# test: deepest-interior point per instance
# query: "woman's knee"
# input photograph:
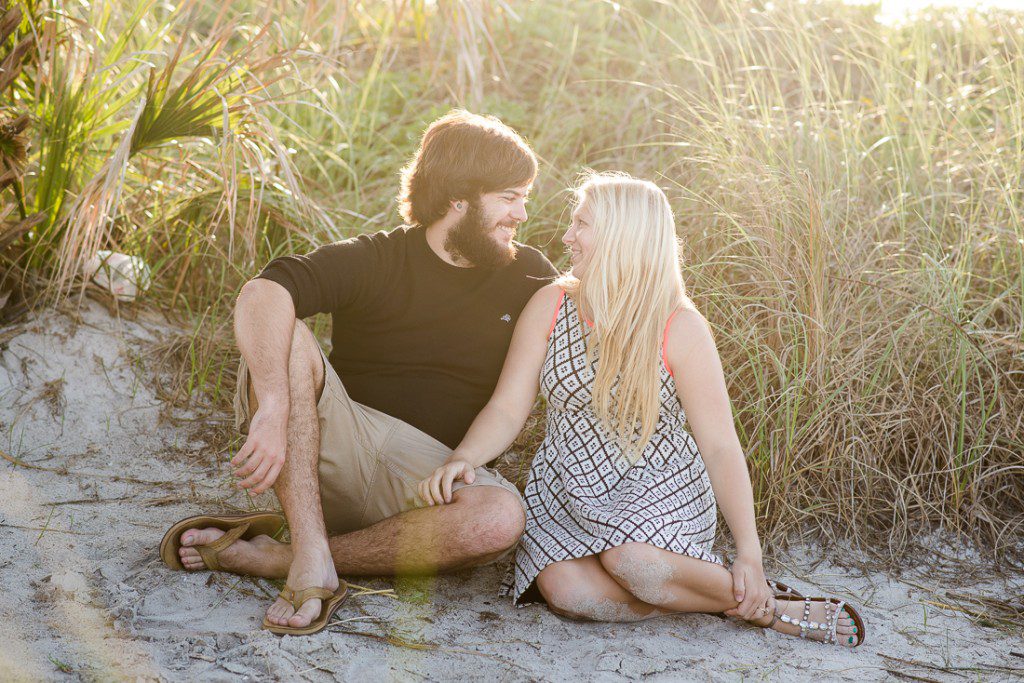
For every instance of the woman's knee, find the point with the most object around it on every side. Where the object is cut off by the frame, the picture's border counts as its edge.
(642, 570)
(561, 587)
(570, 591)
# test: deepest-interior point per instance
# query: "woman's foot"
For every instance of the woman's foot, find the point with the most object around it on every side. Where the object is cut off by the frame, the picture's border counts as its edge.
(814, 618)
(259, 556)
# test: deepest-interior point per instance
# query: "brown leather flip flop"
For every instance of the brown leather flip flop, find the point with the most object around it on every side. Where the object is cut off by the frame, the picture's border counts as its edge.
(243, 526)
(331, 602)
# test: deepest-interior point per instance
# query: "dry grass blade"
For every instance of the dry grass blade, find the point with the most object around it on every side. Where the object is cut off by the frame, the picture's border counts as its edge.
(1005, 613)
(10, 232)
(10, 67)
(21, 463)
(910, 677)
(9, 22)
(958, 671)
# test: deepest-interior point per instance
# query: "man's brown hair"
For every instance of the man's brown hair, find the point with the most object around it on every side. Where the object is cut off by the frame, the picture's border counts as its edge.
(462, 156)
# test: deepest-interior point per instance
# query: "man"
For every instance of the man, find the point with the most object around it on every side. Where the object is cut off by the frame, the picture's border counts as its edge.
(422, 318)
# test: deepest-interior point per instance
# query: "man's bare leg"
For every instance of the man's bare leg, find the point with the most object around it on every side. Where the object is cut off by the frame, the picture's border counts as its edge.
(298, 484)
(479, 525)
(298, 489)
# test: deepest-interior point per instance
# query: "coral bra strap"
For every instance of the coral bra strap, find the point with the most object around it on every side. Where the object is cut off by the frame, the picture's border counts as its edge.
(554, 318)
(664, 342)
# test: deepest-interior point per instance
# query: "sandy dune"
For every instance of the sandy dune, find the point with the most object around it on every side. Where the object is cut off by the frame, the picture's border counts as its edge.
(106, 466)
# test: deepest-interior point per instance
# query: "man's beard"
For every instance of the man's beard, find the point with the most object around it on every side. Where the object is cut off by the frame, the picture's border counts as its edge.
(474, 241)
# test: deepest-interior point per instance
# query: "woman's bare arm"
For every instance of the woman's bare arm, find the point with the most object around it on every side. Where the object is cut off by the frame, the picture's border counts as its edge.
(501, 420)
(700, 384)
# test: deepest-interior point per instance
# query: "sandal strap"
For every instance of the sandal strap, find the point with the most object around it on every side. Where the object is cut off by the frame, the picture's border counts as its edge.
(780, 588)
(296, 598)
(828, 625)
(210, 551)
(834, 622)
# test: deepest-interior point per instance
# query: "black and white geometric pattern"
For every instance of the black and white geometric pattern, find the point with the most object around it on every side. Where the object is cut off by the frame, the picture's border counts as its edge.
(583, 497)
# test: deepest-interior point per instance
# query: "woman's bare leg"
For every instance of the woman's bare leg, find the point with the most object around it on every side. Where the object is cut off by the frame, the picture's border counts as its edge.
(582, 589)
(678, 583)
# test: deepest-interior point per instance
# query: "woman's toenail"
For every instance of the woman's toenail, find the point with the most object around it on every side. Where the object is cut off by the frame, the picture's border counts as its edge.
(851, 640)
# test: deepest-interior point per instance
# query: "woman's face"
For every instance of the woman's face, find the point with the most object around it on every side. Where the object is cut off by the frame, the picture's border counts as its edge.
(579, 238)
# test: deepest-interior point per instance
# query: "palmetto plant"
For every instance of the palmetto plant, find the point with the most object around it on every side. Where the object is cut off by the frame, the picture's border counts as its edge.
(15, 220)
(123, 101)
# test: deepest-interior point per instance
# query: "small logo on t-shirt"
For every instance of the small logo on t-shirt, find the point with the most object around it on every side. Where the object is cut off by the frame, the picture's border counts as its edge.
(507, 318)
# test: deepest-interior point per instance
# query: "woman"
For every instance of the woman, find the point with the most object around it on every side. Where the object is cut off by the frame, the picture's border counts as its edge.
(621, 499)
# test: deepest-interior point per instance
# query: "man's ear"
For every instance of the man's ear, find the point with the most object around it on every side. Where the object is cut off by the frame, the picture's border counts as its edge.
(459, 205)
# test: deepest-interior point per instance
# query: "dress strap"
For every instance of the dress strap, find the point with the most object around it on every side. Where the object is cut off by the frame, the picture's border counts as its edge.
(554, 318)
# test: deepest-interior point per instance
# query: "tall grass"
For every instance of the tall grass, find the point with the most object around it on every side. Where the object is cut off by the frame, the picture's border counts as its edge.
(848, 196)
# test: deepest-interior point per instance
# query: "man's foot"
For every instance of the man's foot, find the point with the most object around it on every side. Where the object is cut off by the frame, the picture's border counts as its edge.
(259, 556)
(308, 569)
(817, 616)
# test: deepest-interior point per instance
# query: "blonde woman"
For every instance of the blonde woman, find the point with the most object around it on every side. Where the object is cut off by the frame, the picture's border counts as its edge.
(621, 500)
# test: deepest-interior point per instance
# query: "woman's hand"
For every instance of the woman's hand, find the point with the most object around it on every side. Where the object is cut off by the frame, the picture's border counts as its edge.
(750, 590)
(437, 488)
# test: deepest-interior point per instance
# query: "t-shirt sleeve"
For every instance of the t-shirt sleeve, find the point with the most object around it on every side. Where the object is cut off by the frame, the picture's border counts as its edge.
(331, 278)
(540, 267)
(547, 269)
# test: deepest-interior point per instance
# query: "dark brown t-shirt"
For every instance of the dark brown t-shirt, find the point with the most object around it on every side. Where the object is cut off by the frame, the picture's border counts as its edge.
(413, 336)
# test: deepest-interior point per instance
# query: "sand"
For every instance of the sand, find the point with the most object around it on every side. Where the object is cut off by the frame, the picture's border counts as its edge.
(108, 465)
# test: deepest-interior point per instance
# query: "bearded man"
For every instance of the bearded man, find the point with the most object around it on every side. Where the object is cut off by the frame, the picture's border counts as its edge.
(422, 318)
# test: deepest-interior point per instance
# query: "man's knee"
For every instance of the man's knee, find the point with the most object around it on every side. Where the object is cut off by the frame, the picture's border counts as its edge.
(495, 518)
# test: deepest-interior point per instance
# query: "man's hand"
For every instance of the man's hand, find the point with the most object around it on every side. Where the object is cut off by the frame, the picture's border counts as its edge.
(750, 590)
(261, 457)
(437, 488)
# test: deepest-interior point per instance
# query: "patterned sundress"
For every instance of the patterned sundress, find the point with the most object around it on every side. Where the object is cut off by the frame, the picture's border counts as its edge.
(583, 497)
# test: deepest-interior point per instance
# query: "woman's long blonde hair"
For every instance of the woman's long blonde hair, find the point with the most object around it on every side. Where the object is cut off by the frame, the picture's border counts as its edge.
(631, 286)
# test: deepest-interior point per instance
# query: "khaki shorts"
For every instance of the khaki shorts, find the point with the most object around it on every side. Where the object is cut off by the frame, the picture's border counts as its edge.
(370, 463)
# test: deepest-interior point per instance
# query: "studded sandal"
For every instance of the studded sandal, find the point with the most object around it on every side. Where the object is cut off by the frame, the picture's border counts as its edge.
(780, 588)
(833, 608)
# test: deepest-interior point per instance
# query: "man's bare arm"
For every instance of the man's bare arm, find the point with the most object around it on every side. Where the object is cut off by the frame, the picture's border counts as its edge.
(264, 325)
